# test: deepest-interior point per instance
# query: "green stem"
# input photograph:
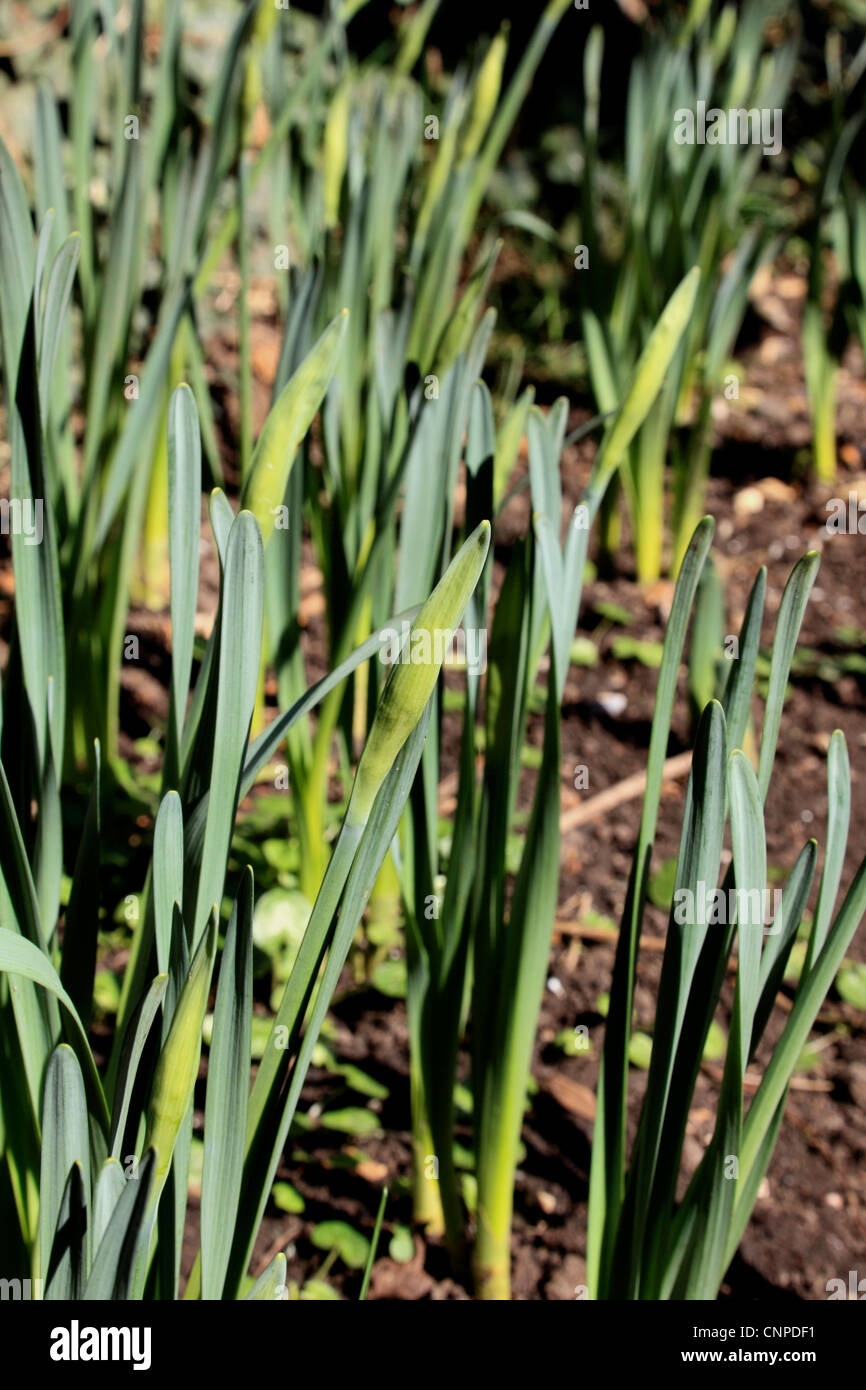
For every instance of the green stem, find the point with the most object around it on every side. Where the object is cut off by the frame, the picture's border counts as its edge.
(824, 421)
(426, 1198)
(491, 1262)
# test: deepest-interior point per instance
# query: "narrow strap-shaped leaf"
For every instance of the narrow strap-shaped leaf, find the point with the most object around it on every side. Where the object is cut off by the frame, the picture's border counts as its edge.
(614, 1070)
(838, 816)
(426, 473)
(791, 610)
(287, 424)
(270, 1285)
(221, 520)
(707, 637)
(140, 414)
(66, 1271)
(374, 1244)
(521, 972)
(123, 1247)
(37, 1019)
(177, 1068)
(738, 688)
(167, 873)
(48, 163)
(645, 383)
(109, 1186)
(133, 1046)
(780, 938)
(749, 848)
(16, 266)
(270, 1113)
(506, 111)
(702, 1276)
(20, 957)
(750, 1182)
(547, 537)
(57, 295)
(697, 868)
(80, 932)
(48, 847)
(65, 1142)
(184, 493)
(796, 1031)
(225, 1113)
(38, 603)
(240, 652)
(115, 304)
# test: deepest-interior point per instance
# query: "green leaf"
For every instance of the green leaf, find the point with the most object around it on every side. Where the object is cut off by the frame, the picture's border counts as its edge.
(57, 295)
(352, 1120)
(67, 1264)
(661, 885)
(716, 1043)
(359, 1081)
(177, 1068)
(287, 425)
(411, 682)
(647, 378)
(117, 1264)
(271, 1110)
(65, 1142)
(352, 1247)
(851, 983)
(239, 656)
(287, 1198)
(226, 1100)
(608, 1161)
(133, 1045)
(640, 1050)
(21, 957)
(748, 843)
(271, 1285)
(839, 815)
(184, 514)
(791, 610)
(109, 1186)
(82, 913)
(318, 1291)
(625, 648)
(167, 874)
(389, 977)
(279, 922)
(813, 990)
(401, 1246)
(16, 266)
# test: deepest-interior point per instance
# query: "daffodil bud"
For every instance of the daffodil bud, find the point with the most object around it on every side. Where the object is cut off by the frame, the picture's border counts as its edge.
(486, 95)
(177, 1067)
(411, 682)
(336, 145)
(287, 424)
